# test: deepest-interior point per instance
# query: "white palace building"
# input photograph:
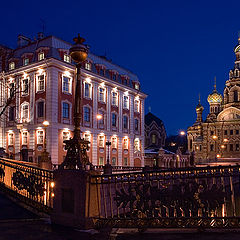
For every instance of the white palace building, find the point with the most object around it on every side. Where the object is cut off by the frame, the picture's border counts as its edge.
(37, 84)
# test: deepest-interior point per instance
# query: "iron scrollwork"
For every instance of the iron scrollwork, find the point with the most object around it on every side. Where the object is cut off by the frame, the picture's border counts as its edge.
(32, 184)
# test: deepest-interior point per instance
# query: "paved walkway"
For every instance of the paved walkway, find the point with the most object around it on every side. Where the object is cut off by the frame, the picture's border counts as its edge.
(17, 223)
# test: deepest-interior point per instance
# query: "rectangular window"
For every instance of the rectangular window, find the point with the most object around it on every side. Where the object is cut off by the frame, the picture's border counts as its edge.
(101, 120)
(101, 97)
(114, 161)
(88, 66)
(136, 106)
(12, 66)
(65, 110)
(114, 77)
(231, 132)
(10, 139)
(11, 113)
(125, 143)
(86, 114)
(101, 161)
(211, 133)
(66, 136)
(40, 109)
(25, 61)
(125, 122)
(25, 111)
(136, 144)
(231, 147)
(24, 138)
(237, 147)
(40, 56)
(237, 132)
(211, 147)
(125, 162)
(136, 123)
(114, 142)
(136, 86)
(125, 102)
(66, 58)
(114, 98)
(87, 137)
(40, 83)
(114, 120)
(87, 90)
(101, 141)
(225, 132)
(24, 87)
(66, 84)
(40, 137)
(101, 72)
(11, 90)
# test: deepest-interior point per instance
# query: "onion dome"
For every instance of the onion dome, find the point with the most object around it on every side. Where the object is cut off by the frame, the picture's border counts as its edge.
(199, 107)
(215, 97)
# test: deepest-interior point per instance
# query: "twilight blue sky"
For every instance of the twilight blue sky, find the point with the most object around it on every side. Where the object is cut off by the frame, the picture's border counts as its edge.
(175, 47)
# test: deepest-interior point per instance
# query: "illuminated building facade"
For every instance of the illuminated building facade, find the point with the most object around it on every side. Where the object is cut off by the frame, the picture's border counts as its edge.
(38, 77)
(217, 139)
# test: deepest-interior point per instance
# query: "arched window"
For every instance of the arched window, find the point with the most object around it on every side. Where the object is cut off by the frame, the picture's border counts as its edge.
(235, 95)
(154, 139)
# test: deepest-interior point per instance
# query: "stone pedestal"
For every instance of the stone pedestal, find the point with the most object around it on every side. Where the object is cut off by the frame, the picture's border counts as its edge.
(76, 200)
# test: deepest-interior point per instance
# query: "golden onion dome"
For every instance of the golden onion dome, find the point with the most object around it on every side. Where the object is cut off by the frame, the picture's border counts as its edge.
(215, 97)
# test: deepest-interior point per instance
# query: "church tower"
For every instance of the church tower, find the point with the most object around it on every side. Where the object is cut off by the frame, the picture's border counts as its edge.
(232, 89)
(215, 100)
(199, 111)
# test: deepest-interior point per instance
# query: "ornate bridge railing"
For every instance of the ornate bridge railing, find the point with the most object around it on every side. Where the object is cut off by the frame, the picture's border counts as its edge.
(28, 183)
(197, 197)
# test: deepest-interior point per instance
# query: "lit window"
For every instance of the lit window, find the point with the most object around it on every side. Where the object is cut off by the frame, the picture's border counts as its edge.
(25, 61)
(40, 109)
(101, 161)
(136, 86)
(25, 111)
(101, 94)
(65, 110)
(87, 90)
(88, 66)
(136, 106)
(125, 143)
(11, 65)
(125, 102)
(11, 113)
(125, 162)
(40, 56)
(66, 84)
(125, 122)
(114, 161)
(66, 58)
(101, 141)
(136, 124)
(25, 87)
(40, 137)
(136, 144)
(24, 138)
(66, 136)
(11, 90)
(86, 114)
(87, 137)
(101, 121)
(10, 139)
(40, 83)
(153, 138)
(114, 119)
(114, 98)
(114, 142)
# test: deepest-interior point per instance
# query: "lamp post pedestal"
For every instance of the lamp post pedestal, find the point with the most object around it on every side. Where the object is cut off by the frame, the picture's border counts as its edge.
(107, 169)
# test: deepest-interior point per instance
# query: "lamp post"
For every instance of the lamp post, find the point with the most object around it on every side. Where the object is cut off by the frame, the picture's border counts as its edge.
(108, 167)
(45, 161)
(77, 147)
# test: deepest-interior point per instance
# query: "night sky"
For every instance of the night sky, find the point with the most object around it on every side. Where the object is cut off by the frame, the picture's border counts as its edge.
(175, 47)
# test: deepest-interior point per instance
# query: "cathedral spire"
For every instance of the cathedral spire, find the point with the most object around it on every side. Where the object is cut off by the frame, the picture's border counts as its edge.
(215, 84)
(199, 110)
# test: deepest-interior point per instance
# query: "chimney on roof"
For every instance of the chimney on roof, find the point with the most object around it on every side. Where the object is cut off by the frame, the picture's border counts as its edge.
(23, 41)
(40, 35)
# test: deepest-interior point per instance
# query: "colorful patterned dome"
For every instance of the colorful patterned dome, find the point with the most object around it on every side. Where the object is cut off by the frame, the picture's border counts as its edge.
(215, 97)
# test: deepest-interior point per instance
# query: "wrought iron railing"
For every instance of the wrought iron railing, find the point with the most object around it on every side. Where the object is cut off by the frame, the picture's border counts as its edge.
(28, 183)
(195, 197)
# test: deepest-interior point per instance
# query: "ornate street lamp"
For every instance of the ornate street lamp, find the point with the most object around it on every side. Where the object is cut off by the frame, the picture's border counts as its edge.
(107, 167)
(77, 147)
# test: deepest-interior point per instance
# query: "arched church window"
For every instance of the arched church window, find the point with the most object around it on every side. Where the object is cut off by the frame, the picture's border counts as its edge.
(235, 95)
(154, 139)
